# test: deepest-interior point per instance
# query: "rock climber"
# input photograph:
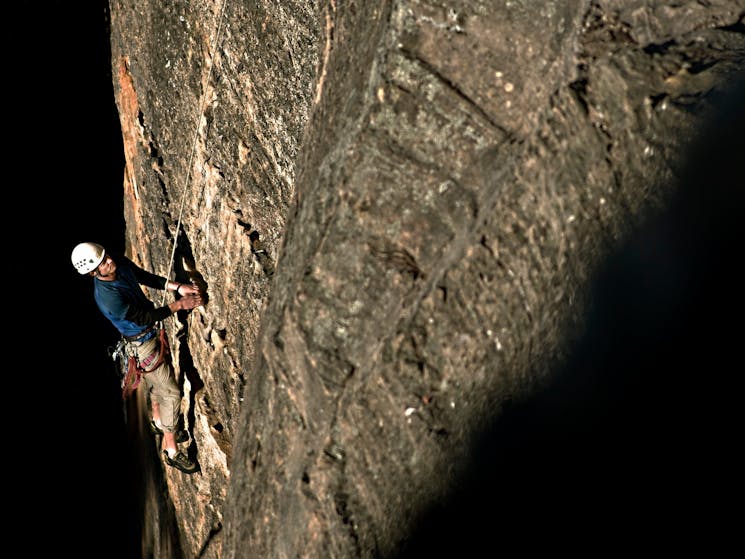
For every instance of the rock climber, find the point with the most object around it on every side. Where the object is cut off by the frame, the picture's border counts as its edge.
(119, 296)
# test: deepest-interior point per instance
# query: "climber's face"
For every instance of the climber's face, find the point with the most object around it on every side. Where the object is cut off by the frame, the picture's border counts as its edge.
(106, 269)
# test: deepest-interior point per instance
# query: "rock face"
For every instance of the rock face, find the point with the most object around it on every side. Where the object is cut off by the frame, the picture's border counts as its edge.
(396, 209)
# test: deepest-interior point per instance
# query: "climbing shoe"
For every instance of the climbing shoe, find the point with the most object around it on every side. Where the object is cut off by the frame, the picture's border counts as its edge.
(181, 461)
(181, 436)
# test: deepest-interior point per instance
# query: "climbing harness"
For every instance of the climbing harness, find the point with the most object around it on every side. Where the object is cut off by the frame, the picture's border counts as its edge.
(132, 367)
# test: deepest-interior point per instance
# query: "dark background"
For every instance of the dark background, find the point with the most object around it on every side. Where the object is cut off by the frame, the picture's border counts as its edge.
(76, 485)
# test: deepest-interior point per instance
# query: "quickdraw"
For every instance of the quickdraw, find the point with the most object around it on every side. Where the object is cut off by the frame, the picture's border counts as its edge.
(135, 368)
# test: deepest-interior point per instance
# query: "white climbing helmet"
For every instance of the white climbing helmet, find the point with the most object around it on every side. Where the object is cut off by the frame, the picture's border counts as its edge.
(87, 256)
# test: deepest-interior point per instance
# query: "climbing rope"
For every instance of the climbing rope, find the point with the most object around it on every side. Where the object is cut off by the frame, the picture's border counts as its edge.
(200, 112)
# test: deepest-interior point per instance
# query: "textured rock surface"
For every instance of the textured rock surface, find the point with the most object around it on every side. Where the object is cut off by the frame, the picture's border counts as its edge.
(395, 209)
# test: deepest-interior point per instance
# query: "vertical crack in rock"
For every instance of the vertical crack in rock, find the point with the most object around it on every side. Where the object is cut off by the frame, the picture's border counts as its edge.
(258, 249)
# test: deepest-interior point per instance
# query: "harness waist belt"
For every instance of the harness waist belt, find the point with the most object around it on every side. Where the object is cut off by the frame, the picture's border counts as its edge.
(140, 335)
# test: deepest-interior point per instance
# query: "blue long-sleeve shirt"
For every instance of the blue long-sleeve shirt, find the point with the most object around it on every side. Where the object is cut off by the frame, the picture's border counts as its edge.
(123, 302)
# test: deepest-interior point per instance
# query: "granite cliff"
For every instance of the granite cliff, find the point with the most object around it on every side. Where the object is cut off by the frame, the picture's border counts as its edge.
(396, 210)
